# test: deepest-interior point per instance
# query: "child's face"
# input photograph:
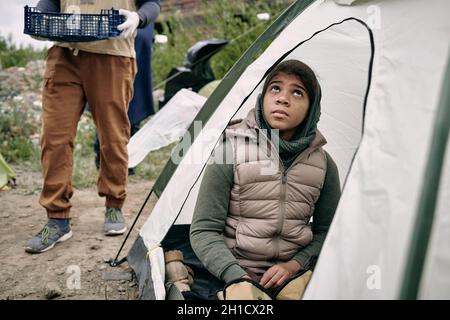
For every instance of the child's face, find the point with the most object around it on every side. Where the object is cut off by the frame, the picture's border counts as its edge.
(286, 104)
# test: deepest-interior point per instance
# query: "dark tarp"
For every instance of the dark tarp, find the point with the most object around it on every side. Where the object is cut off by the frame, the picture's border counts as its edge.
(141, 106)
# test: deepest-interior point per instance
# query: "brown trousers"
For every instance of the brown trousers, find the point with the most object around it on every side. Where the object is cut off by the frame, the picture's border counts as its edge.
(106, 83)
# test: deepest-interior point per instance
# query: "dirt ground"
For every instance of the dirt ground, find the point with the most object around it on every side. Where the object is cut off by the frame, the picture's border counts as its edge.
(74, 269)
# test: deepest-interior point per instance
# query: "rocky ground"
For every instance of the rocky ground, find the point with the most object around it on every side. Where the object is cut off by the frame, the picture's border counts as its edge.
(74, 269)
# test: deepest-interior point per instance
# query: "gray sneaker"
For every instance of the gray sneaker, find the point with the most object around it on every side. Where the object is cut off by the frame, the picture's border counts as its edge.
(46, 239)
(114, 222)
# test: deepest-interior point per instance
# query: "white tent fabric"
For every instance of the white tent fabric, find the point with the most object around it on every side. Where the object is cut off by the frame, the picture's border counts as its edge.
(371, 230)
(168, 125)
(6, 173)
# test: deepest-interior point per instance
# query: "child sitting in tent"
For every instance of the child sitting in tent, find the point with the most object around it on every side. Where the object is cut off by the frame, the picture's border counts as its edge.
(251, 225)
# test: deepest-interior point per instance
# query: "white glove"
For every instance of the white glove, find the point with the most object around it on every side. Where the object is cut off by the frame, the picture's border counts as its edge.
(130, 25)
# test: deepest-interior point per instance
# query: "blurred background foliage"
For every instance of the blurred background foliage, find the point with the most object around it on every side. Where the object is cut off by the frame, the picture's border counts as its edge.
(21, 70)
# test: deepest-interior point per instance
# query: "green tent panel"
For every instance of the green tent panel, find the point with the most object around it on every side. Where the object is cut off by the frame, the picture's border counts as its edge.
(6, 173)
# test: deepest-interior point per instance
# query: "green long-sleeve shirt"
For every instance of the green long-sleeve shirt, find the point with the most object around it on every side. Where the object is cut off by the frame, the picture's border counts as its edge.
(211, 210)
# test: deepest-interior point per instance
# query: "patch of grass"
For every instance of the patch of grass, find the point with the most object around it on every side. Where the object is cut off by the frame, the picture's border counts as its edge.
(84, 171)
(16, 128)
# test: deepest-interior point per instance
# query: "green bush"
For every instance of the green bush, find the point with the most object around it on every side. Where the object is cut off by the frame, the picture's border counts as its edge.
(16, 128)
(13, 56)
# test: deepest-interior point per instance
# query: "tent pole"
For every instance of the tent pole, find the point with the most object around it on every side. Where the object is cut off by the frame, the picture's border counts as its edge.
(114, 262)
(428, 198)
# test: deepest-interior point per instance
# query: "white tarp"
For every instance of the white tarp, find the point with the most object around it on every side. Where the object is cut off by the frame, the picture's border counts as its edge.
(168, 125)
(342, 105)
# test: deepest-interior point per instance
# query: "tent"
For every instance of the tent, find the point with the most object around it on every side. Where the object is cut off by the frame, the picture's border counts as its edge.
(384, 71)
(6, 173)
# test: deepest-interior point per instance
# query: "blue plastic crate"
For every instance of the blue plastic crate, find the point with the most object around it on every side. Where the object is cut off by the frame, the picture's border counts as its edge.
(69, 27)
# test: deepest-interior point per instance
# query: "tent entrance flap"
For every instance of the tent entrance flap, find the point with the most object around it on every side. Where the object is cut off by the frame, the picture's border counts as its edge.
(343, 102)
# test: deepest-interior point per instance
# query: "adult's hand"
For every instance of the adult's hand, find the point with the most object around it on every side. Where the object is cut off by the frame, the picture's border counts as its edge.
(130, 25)
(276, 275)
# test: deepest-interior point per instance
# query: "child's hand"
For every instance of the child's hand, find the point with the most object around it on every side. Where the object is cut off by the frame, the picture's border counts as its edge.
(276, 275)
(130, 25)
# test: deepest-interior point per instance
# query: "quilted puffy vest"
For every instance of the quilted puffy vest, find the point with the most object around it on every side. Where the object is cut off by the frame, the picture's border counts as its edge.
(270, 207)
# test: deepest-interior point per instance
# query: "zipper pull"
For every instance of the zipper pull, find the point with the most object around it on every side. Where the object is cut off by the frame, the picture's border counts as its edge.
(284, 177)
